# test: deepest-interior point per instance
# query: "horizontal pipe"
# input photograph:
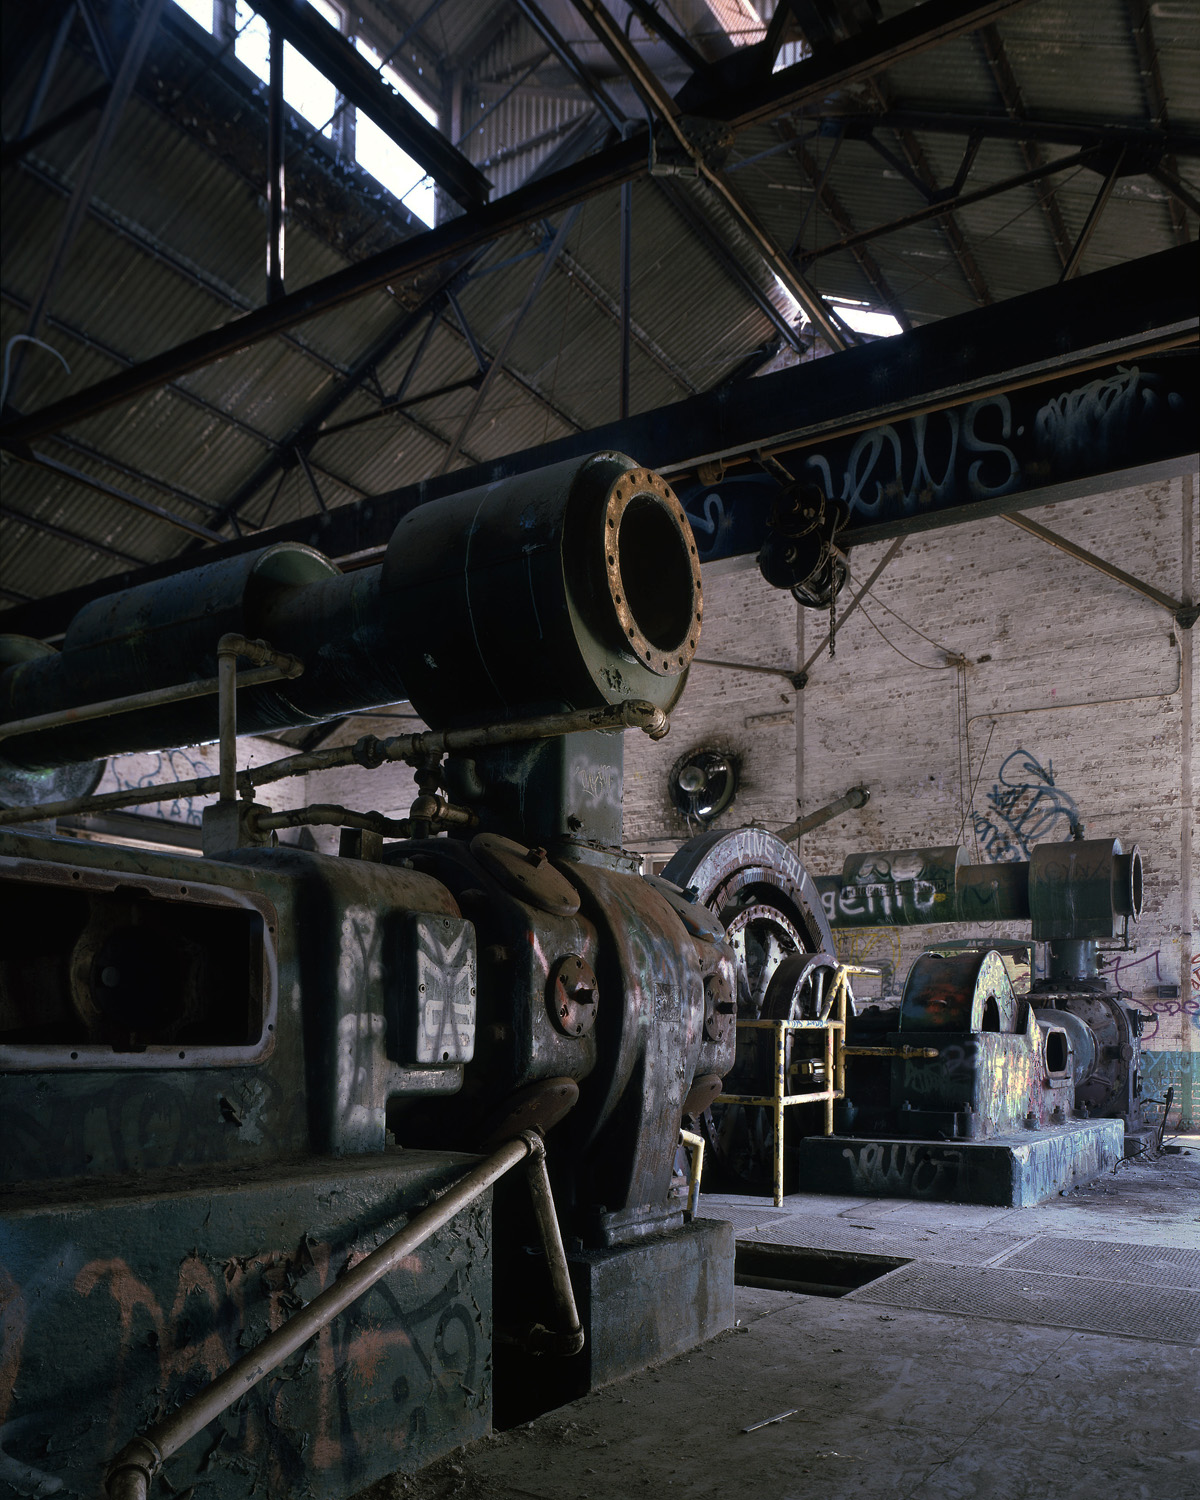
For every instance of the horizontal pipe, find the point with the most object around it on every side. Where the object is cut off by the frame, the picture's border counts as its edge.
(857, 796)
(153, 699)
(368, 752)
(769, 1101)
(438, 814)
(904, 1052)
(758, 1024)
(134, 1467)
(329, 814)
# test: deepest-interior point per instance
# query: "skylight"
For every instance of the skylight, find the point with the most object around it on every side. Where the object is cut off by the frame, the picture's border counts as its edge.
(201, 11)
(387, 163)
(305, 88)
(864, 319)
(856, 315)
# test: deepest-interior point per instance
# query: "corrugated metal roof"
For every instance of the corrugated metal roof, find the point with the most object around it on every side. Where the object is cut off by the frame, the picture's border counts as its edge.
(174, 244)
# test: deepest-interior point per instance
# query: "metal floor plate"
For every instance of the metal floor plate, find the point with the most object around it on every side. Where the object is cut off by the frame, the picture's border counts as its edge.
(915, 1243)
(1141, 1310)
(1151, 1265)
(742, 1219)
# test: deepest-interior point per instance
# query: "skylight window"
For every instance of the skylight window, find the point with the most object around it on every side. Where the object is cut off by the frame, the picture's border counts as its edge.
(387, 163)
(789, 54)
(856, 315)
(201, 11)
(305, 88)
(864, 319)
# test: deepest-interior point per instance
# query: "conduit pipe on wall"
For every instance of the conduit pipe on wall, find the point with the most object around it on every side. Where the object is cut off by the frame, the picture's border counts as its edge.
(1042, 708)
(131, 1472)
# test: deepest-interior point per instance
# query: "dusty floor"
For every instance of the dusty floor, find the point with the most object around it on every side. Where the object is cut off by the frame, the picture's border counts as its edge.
(1047, 1352)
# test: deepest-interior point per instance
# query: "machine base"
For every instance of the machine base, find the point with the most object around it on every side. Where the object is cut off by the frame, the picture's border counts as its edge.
(124, 1302)
(639, 1304)
(1010, 1171)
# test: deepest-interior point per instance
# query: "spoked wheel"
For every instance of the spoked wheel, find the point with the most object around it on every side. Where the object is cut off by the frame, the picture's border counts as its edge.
(758, 889)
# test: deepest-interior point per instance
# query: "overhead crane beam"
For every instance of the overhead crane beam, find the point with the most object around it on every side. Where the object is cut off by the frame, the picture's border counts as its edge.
(1062, 333)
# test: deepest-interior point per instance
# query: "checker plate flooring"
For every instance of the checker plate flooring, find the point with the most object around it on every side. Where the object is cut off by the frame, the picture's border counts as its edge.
(1156, 1265)
(1143, 1309)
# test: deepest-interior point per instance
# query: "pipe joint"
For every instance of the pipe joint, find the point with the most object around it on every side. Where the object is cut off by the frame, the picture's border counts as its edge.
(130, 1474)
(639, 714)
(542, 1340)
(260, 653)
(535, 1144)
(369, 752)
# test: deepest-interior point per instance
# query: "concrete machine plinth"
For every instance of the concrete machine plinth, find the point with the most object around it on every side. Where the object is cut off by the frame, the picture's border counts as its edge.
(125, 1302)
(639, 1304)
(1009, 1171)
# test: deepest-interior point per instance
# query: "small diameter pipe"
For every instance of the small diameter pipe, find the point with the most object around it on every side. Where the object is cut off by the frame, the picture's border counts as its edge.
(890, 1052)
(334, 816)
(567, 1339)
(130, 1473)
(436, 811)
(229, 648)
(696, 1142)
(368, 752)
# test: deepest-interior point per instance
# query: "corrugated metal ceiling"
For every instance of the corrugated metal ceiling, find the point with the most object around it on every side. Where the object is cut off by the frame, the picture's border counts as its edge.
(173, 244)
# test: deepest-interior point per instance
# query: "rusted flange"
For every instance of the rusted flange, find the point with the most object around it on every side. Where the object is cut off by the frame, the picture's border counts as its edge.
(663, 657)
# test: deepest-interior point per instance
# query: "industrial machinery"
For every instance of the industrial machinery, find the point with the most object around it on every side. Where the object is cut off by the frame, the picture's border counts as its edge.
(968, 1090)
(224, 1080)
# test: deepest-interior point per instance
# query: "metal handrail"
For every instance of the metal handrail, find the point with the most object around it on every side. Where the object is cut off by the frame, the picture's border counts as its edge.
(834, 1027)
(131, 1471)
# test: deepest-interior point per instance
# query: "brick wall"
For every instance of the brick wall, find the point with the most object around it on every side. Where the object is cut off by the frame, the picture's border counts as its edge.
(1070, 693)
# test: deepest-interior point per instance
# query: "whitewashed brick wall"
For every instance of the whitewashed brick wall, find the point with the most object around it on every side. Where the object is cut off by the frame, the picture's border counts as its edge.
(1067, 672)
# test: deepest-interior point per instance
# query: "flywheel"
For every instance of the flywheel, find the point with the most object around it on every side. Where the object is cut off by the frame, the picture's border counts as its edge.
(757, 888)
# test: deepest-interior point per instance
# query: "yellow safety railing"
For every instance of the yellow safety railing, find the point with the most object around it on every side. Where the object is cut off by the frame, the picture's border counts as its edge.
(833, 1024)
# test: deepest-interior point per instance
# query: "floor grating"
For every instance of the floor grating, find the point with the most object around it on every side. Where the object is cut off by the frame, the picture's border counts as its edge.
(1144, 1309)
(1152, 1265)
(742, 1218)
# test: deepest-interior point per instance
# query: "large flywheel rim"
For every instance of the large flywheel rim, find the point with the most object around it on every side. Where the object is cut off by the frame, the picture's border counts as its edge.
(761, 893)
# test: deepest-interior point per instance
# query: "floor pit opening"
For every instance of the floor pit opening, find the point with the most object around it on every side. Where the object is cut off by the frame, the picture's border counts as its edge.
(817, 1273)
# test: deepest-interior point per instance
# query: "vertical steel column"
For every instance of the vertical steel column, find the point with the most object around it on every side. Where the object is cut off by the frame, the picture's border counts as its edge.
(227, 719)
(626, 290)
(780, 1091)
(275, 171)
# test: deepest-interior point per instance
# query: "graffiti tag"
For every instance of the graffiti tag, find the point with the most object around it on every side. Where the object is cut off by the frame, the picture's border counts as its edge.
(1024, 808)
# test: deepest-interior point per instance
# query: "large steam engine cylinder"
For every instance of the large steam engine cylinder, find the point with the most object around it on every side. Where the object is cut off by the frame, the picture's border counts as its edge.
(169, 1023)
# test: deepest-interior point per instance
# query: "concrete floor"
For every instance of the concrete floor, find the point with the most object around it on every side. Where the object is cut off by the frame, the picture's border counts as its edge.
(986, 1366)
